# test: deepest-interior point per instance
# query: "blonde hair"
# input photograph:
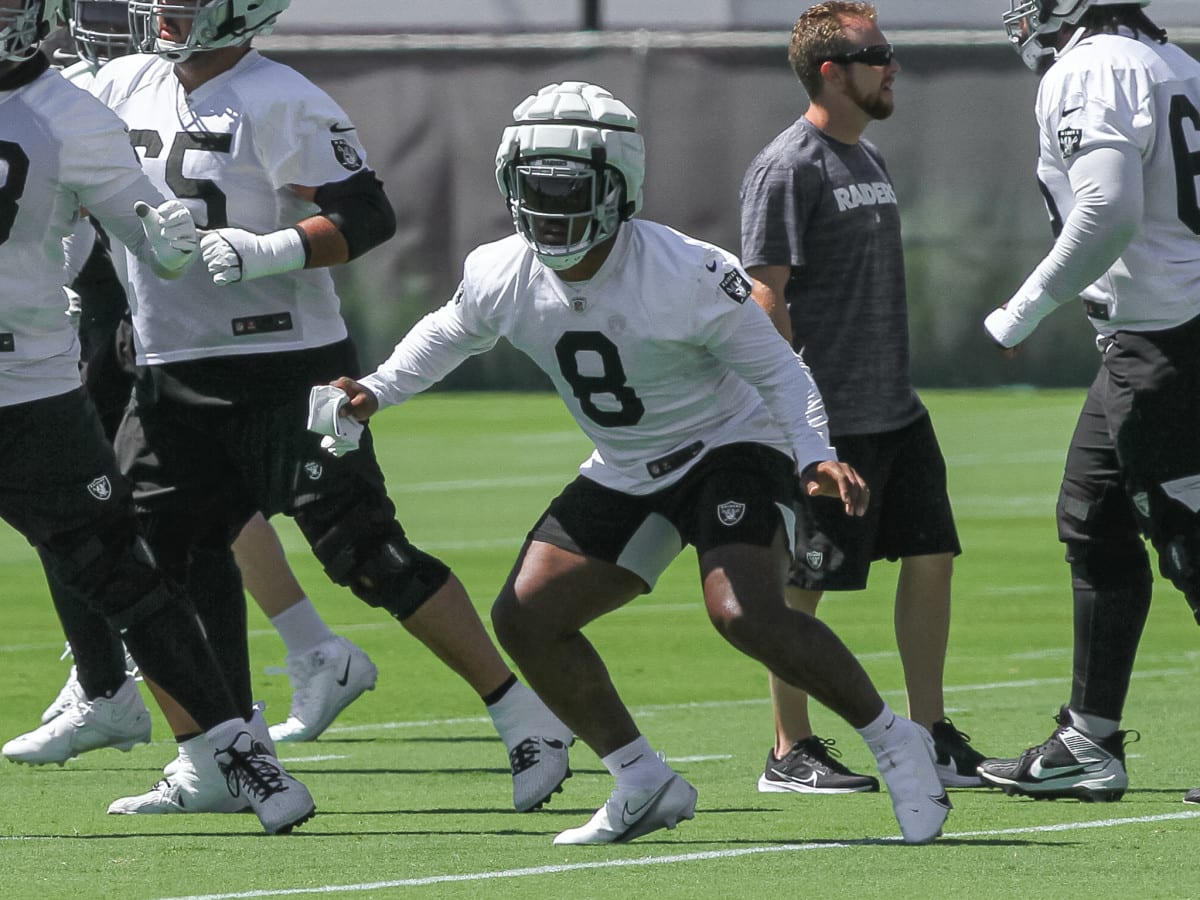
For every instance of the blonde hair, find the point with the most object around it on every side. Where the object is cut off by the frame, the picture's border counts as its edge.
(819, 34)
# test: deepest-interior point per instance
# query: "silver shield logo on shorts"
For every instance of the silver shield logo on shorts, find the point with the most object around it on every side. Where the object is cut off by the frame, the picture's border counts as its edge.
(314, 470)
(731, 513)
(100, 488)
(814, 558)
(1141, 502)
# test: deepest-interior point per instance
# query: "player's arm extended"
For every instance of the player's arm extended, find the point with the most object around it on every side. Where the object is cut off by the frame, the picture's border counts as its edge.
(354, 216)
(1107, 183)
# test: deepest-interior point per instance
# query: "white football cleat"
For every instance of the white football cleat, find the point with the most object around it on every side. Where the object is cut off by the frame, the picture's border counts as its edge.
(120, 722)
(280, 801)
(257, 727)
(193, 784)
(630, 814)
(71, 694)
(907, 761)
(325, 680)
(540, 765)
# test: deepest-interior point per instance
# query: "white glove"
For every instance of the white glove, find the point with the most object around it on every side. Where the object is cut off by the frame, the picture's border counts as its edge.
(171, 232)
(1010, 324)
(233, 254)
(342, 433)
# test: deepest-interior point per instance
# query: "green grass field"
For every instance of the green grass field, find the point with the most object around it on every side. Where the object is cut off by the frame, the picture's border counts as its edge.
(411, 784)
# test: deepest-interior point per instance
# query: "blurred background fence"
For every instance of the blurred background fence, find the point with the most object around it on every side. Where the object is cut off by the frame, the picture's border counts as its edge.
(711, 88)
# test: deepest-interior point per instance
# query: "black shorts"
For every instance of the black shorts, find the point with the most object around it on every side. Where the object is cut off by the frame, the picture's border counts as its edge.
(737, 494)
(208, 444)
(909, 513)
(61, 485)
(1134, 460)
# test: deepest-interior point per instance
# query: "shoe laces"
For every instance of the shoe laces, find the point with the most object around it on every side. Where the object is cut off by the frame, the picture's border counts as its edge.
(822, 751)
(527, 754)
(950, 733)
(250, 771)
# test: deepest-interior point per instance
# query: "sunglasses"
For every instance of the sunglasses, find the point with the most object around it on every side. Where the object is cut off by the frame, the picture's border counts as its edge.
(878, 55)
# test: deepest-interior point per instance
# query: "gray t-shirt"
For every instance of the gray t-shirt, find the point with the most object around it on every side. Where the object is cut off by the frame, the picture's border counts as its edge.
(828, 210)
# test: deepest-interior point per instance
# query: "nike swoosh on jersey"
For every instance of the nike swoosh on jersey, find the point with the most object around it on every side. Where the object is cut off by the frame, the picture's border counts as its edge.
(339, 129)
(711, 266)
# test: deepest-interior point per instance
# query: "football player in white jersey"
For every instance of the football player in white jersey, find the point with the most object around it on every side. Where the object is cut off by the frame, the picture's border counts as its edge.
(1118, 112)
(317, 657)
(700, 415)
(275, 174)
(60, 486)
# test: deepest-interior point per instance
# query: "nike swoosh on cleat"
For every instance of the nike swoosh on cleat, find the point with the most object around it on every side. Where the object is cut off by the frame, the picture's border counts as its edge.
(345, 675)
(1038, 772)
(626, 765)
(629, 817)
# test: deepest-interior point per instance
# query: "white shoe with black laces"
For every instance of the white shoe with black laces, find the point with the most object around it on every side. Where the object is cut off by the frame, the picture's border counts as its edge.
(630, 814)
(325, 680)
(280, 801)
(540, 765)
(120, 721)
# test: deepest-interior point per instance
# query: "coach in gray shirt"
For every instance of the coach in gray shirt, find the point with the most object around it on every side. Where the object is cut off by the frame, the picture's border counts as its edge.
(821, 239)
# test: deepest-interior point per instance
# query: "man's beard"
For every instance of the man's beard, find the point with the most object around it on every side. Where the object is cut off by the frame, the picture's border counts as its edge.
(877, 107)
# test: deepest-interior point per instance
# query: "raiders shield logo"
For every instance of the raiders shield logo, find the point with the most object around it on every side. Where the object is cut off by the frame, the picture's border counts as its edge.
(814, 558)
(346, 155)
(1141, 502)
(314, 470)
(100, 488)
(737, 287)
(731, 513)
(1068, 141)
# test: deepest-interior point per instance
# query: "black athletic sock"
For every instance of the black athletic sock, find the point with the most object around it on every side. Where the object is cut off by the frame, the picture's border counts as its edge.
(1108, 628)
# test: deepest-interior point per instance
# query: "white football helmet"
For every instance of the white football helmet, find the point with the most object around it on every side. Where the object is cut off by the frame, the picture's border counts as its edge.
(24, 27)
(211, 24)
(571, 168)
(100, 29)
(1028, 21)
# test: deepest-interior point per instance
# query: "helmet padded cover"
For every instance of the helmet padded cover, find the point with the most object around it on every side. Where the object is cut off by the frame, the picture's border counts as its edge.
(568, 120)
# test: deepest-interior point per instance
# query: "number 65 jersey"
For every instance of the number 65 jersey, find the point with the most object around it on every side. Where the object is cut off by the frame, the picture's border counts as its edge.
(660, 357)
(229, 150)
(1138, 95)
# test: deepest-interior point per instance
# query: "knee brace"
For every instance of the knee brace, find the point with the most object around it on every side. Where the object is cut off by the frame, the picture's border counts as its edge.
(376, 561)
(111, 566)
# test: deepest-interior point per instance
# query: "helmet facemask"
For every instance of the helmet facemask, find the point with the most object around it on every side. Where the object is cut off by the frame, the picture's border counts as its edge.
(22, 30)
(100, 30)
(213, 24)
(564, 207)
(1033, 27)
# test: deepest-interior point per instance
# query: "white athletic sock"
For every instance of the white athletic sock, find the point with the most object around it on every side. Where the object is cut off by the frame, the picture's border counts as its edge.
(301, 627)
(1093, 726)
(636, 766)
(521, 714)
(877, 732)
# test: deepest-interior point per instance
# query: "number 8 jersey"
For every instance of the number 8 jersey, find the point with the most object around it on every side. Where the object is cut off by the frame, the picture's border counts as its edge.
(230, 150)
(660, 357)
(1116, 91)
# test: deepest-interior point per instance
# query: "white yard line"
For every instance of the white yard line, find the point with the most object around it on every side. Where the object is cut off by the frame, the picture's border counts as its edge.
(673, 859)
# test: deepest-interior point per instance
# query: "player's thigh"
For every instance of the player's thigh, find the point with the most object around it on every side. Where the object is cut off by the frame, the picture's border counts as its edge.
(63, 485)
